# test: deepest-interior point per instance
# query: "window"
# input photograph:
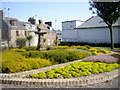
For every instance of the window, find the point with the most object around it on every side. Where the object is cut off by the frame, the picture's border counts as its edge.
(13, 22)
(17, 33)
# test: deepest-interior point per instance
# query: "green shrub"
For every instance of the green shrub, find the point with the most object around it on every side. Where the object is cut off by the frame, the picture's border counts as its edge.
(14, 62)
(50, 76)
(34, 75)
(87, 46)
(18, 50)
(41, 75)
(100, 70)
(79, 47)
(74, 74)
(49, 48)
(30, 48)
(56, 56)
(94, 71)
(56, 75)
(61, 47)
(84, 74)
(67, 75)
(88, 73)
(72, 70)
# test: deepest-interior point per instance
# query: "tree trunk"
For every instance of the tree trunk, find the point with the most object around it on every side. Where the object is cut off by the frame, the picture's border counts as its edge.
(111, 36)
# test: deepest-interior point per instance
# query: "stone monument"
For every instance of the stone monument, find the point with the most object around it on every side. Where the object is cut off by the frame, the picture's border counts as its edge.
(40, 31)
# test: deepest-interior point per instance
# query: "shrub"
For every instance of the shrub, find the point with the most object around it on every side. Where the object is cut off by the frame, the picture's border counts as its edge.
(30, 48)
(94, 71)
(56, 56)
(41, 75)
(49, 48)
(86, 43)
(67, 75)
(72, 70)
(50, 76)
(86, 51)
(61, 47)
(18, 50)
(98, 51)
(56, 75)
(21, 42)
(14, 62)
(34, 75)
(80, 47)
(87, 46)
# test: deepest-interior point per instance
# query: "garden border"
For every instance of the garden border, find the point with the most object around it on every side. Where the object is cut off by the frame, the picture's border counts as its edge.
(18, 79)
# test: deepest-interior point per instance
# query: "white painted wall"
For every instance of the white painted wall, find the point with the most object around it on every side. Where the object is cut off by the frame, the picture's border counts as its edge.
(97, 35)
(69, 35)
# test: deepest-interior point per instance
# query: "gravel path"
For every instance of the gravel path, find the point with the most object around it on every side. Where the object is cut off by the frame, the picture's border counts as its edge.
(108, 84)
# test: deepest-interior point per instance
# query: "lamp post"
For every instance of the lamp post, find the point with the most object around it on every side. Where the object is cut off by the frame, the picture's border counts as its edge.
(8, 30)
(55, 24)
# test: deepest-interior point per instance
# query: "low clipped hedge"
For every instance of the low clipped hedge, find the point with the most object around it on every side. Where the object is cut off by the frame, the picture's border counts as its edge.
(98, 51)
(76, 70)
(30, 48)
(57, 56)
(18, 50)
(14, 62)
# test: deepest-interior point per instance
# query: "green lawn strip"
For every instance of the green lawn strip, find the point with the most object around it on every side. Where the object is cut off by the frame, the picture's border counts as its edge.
(106, 48)
(76, 70)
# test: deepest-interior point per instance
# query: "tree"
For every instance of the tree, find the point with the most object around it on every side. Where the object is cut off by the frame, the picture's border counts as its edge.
(21, 42)
(29, 38)
(109, 12)
(56, 42)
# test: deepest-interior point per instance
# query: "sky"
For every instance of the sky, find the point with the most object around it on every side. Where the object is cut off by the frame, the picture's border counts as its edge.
(57, 12)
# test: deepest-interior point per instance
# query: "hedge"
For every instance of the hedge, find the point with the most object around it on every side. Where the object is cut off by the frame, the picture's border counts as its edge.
(57, 56)
(86, 43)
(14, 62)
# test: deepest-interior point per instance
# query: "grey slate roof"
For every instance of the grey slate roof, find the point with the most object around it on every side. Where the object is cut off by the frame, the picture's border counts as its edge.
(20, 25)
(95, 21)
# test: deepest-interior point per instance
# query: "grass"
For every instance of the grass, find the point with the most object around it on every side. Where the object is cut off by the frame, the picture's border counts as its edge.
(106, 48)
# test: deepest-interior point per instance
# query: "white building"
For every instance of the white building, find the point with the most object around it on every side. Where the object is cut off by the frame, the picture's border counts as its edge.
(93, 30)
(69, 31)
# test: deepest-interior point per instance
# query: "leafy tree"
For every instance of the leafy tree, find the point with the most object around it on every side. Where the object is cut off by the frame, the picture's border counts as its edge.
(29, 38)
(56, 42)
(109, 12)
(21, 42)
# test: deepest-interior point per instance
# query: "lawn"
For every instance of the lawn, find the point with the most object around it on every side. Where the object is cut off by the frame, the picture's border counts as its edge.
(107, 48)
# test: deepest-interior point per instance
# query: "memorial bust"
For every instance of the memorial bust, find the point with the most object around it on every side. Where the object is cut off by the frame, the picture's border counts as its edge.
(41, 26)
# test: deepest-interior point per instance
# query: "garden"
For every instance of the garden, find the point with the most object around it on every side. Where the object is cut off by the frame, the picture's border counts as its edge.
(27, 58)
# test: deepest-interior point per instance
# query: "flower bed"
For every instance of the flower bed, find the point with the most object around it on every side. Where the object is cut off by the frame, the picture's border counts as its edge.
(76, 70)
(102, 58)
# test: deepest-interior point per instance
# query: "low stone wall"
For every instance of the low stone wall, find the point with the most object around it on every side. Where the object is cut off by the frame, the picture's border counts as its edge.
(61, 83)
